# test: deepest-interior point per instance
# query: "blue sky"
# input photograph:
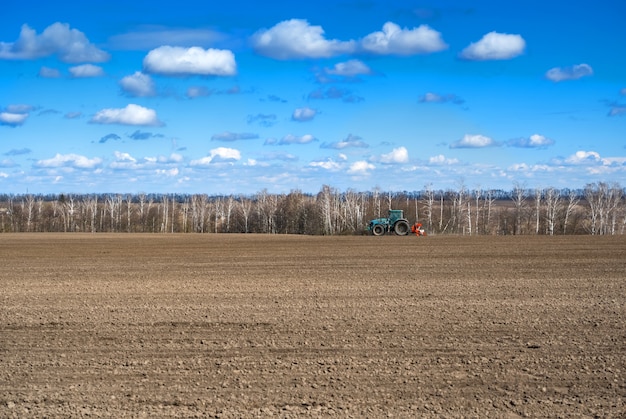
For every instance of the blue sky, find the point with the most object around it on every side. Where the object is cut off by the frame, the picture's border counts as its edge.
(236, 97)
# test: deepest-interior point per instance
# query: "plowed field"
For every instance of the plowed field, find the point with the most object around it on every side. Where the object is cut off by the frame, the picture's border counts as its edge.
(289, 326)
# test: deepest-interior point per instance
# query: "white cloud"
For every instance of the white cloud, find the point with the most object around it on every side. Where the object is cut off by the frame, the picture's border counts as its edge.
(70, 160)
(69, 45)
(574, 72)
(138, 85)
(350, 68)
(534, 141)
(12, 119)
(296, 38)
(294, 139)
(397, 41)
(176, 61)
(130, 115)
(328, 164)
(303, 114)
(234, 136)
(440, 159)
(350, 141)
(396, 156)
(495, 46)
(474, 141)
(218, 155)
(583, 157)
(361, 167)
(86, 70)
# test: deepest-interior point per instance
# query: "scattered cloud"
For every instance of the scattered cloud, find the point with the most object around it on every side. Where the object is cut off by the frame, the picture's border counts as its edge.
(130, 115)
(361, 167)
(474, 141)
(534, 141)
(12, 119)
(280, 156)
(73, 115)
(334, 92)
(396, 156)
(228, 136)
(430, 97)
(69, 160)
(495, 46)
(291, 139)
(297, 39)
(69, 45)
(393, 40)
(86, 71)
(49, 73)
(350, 68)
(218, 155)
(328, 164)
(179, 61)
(441, 160)
(617, 111)
(142, 135)
(18, 152)
(138, 85)
(352, 141)
(303, 114)
(108, 137)
(574, 72)
(198, 91)
(583, 157)
(151, 36)
(266, 120)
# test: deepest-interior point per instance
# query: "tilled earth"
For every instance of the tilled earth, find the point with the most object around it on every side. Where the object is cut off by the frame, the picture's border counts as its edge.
(289, 326)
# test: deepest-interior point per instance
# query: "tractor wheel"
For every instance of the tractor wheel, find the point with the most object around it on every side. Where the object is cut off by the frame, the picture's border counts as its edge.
(378, 230)
(401, 228)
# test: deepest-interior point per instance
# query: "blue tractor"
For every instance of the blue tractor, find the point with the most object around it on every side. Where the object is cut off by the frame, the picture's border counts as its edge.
(394, 223)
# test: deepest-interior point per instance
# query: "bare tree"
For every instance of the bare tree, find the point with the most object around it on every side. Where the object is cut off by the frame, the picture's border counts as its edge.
(553, 204)
(519, 201)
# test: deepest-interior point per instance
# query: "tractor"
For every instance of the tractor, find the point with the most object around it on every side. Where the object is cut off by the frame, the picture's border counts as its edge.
(394, 223)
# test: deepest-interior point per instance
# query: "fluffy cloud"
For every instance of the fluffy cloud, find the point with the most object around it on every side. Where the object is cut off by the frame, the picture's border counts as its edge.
(350, 141)
(442, 160)
(396, 156)
(534, 141)
(69, 45)
(69, 160)
(228, 136)
(574, 72)
(361, 167)
(582, 157)
(495, 46)
(218, 155)
(474, 141)
(328, 164)
(350, 68)
(296, 38)
(294, 139)
(130, 115)
(86, 70)
(138, 85)
(397, 41)
(303, 114)
(12, 119)
(179, 61)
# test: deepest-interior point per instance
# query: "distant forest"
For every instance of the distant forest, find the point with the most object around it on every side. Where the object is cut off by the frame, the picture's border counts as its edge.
(598, 209)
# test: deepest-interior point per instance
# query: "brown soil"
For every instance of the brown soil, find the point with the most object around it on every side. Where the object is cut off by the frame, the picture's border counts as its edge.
(258, 325)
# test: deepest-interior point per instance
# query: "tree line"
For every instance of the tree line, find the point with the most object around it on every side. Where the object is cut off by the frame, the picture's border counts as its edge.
(598, 209)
